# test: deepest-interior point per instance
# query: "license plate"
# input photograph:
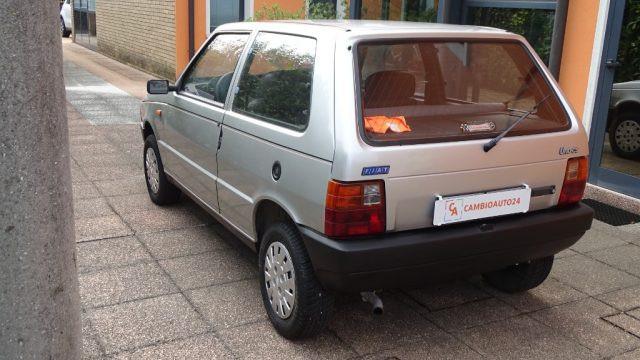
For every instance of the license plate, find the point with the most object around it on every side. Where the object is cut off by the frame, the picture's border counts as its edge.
(453, 209)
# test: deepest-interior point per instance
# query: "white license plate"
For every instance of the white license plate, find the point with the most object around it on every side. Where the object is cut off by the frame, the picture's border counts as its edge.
(453, 209)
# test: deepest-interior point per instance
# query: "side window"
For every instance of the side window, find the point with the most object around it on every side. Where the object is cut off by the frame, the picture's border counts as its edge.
(211, 74)
(275, 85)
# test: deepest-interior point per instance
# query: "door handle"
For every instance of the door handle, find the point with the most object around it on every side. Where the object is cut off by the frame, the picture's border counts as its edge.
(612, 63)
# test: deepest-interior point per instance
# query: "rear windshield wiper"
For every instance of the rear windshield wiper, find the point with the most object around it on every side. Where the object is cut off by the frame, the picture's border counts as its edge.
(493, 142)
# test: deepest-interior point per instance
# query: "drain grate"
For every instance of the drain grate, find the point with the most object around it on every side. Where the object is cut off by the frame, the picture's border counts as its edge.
(612, 215)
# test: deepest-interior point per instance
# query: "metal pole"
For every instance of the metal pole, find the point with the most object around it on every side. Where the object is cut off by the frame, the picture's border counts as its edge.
(192, 47)
(39, 301)
(557, 40)
(355, 9)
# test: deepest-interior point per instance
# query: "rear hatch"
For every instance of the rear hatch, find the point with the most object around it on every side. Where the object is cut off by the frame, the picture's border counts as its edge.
(426, 107)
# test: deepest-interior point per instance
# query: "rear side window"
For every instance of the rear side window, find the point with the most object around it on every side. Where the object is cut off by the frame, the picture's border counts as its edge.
(211, 74)
(430, 91)
(275, 84)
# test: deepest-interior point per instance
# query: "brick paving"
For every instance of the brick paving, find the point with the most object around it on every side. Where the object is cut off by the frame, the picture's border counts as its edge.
(171, 283)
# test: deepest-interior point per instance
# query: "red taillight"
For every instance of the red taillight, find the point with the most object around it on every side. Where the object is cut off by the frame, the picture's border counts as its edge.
(575, 180)
(354, 209)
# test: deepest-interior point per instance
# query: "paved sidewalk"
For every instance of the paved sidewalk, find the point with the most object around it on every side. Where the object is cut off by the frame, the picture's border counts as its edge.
(171, 283)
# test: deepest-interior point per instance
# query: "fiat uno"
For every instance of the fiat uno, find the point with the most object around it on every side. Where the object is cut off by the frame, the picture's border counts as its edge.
(356, 156)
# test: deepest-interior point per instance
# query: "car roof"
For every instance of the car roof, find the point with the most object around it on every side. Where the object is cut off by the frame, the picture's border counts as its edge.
(363, 27)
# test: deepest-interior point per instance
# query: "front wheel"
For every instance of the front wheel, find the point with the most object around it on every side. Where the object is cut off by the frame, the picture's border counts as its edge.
(624, 136)
(520, 277)
(297, 305)
(63, 29)
(161, 191)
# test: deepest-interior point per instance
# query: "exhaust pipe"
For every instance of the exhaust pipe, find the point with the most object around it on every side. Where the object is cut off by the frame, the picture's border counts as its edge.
(376, 303)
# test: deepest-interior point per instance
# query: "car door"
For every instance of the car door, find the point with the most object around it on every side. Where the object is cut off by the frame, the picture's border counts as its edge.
(192, 132)
(277, 143)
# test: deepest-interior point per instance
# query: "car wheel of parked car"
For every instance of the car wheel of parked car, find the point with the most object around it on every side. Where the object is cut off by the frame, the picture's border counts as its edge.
(63, 29)
(161, 191)
(624, 136)
(520, 277)
(297, 305)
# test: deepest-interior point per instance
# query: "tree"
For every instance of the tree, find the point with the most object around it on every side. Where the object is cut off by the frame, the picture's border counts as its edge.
(39, 302)
(629, 50)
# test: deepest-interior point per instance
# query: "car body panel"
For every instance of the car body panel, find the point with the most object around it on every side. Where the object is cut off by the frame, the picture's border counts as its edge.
(332, 148)
(625, 92)
(66, 12)
(419, 173)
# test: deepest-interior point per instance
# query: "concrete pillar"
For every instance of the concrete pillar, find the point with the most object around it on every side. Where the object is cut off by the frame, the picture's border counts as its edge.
(39, 302)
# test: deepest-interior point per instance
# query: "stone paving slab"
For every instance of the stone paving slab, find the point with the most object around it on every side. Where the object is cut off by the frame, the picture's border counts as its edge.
(591, 276)
(132, 325)
(116, 285)
(623, 300)
(472, 314)
(550, 293)
(94, 97)
(260, 341)
(522, 338)
(109, 253)
(229, 305)
(183, 242)
(199, 347)
(582, 321)
(218, 267)
(171, 283)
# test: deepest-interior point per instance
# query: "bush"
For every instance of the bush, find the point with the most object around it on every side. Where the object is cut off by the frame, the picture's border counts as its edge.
(275, 12)
(316, 10)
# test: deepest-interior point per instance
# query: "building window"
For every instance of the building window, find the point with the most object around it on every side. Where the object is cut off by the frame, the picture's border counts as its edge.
(535, 24)
(402, 10)
(224, 11)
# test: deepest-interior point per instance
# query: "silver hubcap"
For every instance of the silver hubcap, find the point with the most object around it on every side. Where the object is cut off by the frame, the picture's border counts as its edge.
(628, 136)
(280, 279)
(153, 174)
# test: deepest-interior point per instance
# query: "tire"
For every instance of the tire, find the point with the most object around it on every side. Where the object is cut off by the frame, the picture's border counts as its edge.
(624, 136)
(520, 277)
(63, 29)
(161, 191)
(312, 304)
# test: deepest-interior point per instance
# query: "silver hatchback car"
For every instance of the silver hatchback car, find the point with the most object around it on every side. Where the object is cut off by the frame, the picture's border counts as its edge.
(356, 156)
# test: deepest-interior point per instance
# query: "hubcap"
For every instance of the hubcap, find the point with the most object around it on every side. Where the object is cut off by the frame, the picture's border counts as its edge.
(62, 27)
(153, 174)
(628, 136)
(279, 279)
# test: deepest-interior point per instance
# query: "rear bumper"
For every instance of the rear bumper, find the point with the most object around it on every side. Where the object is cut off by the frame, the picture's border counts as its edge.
(414, 258)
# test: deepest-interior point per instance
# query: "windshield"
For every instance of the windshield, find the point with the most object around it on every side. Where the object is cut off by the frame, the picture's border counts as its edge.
(429, 91)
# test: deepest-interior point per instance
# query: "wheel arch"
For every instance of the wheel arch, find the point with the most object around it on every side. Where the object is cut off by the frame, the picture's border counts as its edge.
(627, 106)
(147, 129)
(268, 211)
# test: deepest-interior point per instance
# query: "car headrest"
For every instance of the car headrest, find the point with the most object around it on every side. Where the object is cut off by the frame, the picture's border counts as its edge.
(222, 87)
(389, 88)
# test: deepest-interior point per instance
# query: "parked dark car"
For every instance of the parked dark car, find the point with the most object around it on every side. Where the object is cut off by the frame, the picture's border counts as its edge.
(624, 119)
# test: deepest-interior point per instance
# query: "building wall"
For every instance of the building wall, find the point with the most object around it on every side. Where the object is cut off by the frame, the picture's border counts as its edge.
(200, 24)
(139, 32)
(577, 51)
(288, 5)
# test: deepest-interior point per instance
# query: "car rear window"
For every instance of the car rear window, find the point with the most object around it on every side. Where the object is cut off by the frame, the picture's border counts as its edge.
(431, 91)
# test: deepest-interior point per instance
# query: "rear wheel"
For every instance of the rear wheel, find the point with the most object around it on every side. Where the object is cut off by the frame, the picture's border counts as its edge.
(297, 305)
(520, 277)
(161, 191)
(624, 136)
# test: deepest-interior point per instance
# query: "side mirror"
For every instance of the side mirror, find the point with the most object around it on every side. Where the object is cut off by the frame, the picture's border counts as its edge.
(159, 87)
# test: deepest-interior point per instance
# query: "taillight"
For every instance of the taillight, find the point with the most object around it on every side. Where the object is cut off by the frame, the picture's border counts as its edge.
(354, 208)
(575, 180)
